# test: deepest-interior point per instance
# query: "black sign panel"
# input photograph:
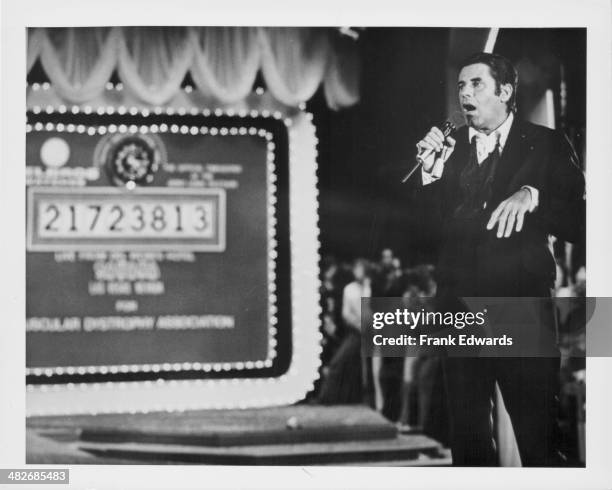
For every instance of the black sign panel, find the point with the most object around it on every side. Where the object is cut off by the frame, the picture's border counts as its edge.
(156, 248)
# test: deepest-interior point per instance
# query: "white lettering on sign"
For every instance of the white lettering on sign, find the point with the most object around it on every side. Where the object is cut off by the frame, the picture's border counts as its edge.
(183, 322)
(126, 270)
(44, 324)
(126, 306)
(125, 323)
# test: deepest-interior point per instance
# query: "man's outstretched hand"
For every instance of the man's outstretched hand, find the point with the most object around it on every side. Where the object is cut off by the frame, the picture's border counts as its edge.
(510, 212)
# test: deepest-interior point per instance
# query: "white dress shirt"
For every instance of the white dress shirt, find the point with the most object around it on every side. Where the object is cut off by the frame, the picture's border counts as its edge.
(485, 144)
(351, 302)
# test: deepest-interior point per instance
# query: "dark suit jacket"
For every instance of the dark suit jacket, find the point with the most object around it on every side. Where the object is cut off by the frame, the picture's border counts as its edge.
(473, 261)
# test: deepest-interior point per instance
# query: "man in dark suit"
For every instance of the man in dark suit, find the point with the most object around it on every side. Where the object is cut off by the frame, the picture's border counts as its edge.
(495, 192)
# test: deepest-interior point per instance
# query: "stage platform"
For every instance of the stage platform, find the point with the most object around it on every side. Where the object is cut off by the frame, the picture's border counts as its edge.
(290, 435)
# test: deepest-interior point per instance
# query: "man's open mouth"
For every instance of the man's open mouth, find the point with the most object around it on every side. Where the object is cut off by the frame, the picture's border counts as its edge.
(469, 107)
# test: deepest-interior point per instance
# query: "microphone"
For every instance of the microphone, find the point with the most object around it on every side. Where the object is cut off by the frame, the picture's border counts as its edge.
(449, 126)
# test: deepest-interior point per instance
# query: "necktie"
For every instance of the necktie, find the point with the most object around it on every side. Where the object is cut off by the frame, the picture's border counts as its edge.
(492, 161)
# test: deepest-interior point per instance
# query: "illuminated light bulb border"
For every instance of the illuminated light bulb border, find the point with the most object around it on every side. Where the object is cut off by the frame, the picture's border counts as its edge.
(272, 254)
(36, 86)
(188, 89)
(238, 389)
(272, 243)
(178, 396)
(169, 111)
(298, 148)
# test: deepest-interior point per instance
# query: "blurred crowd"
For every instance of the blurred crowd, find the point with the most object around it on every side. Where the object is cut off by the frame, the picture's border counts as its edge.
(410, 391)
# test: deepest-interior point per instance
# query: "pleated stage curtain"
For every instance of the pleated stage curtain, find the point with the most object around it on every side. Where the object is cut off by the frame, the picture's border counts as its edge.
(153, 61)
(341, 83)
(226, 61)
(78, 61)
(293, 62)
(223, 62)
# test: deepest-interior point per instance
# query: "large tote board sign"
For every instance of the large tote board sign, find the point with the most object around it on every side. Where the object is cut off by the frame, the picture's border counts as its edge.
(171, 260)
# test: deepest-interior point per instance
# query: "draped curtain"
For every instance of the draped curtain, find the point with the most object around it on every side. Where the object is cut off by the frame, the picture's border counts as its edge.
(222, 61)
(226, 61)
(293, 62)
(153, 61)
(78, 61)
(341, 83)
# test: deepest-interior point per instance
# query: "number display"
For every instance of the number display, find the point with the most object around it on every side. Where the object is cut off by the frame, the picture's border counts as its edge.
(145, 219)
(153, 218)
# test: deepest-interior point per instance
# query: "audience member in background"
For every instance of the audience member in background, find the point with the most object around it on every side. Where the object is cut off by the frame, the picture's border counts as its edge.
(386, 273)
(572, 344)
(572, 331)
(332, 331)
(396, 399)
(330, 343)
(580, 282)
(386, 258)
(424, 402)
(331, 292)
(348, 373)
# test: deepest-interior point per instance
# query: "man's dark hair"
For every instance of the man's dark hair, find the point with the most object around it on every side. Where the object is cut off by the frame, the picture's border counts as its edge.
(502, 70)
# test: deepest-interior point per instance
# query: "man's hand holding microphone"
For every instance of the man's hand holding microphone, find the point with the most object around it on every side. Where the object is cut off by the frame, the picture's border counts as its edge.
(433, 152)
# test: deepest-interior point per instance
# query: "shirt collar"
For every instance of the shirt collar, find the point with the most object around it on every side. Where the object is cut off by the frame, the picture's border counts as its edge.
(503, 130)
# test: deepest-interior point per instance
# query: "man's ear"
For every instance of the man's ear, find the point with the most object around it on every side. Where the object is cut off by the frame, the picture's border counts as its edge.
(505, 92)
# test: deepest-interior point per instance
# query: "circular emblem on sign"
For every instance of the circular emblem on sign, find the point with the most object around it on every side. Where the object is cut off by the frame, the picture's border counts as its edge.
(54, 152)
(130, 159)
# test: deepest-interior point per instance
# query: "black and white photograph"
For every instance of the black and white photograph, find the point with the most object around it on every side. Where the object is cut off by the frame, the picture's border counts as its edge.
(324, 247)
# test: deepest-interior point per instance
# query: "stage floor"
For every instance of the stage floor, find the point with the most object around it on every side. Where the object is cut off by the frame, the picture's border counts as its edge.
(289, 435)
